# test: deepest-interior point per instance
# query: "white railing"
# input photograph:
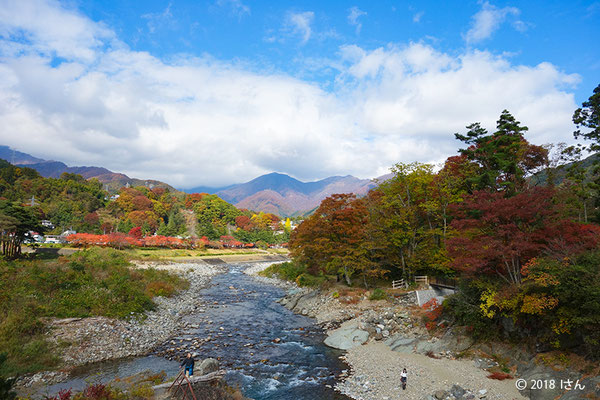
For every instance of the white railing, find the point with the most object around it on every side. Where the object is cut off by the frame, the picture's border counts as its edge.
(422, 280)
(400, 283)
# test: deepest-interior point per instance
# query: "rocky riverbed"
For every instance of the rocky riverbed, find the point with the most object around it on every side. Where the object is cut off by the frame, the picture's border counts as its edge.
(382, 337)
(91, 340)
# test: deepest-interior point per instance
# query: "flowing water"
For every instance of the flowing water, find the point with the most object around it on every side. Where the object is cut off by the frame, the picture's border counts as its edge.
(268, 351)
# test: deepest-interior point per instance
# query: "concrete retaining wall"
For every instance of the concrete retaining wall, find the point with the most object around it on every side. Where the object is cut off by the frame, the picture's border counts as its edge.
(423, 296)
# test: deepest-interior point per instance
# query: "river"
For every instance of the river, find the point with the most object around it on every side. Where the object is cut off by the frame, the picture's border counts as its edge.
(269, 352)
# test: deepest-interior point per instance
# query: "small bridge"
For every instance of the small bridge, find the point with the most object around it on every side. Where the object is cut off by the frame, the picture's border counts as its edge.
(430, 287)
(424, 280)
(443, 283)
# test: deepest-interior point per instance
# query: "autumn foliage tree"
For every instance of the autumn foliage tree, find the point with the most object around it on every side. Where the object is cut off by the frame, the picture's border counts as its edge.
(497, 235)
(331, 239)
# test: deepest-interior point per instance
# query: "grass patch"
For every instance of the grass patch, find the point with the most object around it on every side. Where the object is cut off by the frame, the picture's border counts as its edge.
(149, 253)
(288, 271)
(295, 272)
(94, 282)
(378, 294)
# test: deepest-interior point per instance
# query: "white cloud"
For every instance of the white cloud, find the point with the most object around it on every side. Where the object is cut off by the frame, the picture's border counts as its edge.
(193, 121)
(156, 20)
(51, 30)
(299, 23)
(237, 8)
(417, 17)
(354, 13)
(488, 20)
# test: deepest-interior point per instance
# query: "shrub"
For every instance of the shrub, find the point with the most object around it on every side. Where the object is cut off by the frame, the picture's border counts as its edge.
(163, 289)
(7, 384)
(288, 271)
(464, 308)
(378, 294)
(306, 279)
(433, 310)
(500, 376)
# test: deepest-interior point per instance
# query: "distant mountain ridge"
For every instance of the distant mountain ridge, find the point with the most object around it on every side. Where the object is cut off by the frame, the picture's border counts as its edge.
(275, 192)
(16, 157)
(286, 196)
(113, 181)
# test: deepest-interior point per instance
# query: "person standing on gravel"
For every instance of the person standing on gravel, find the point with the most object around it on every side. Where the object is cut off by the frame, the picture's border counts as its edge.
(188, 364)
(403, 376)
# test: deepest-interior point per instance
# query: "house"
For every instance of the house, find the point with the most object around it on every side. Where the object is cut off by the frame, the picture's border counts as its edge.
(67, 233)
(54, 239)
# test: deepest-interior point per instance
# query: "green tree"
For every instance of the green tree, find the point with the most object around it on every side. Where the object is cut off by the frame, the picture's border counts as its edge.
(588, 116)
(214, 215)
(504, 158)
(16, 222)
(408, 218)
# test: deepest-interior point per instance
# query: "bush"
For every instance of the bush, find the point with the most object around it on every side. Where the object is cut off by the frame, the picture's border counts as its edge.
(378, 294)
(162, 289)
(463, 307)
(500, 376)
(306, 279)
(288, 271)
(7, 384)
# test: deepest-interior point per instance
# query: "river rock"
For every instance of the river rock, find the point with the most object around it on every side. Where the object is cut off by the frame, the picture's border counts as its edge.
(347, 336)
(457, 391)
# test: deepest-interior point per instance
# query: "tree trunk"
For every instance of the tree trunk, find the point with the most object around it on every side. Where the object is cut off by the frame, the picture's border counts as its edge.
(347, 277)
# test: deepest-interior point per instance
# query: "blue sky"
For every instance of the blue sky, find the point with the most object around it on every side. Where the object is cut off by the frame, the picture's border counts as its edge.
(559, 32)
(220, 91)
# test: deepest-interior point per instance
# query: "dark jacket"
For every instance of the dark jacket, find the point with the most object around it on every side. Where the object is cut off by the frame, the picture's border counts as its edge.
(188, 362)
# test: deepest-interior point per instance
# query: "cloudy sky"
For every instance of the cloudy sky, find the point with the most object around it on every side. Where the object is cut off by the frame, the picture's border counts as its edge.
(214, 92)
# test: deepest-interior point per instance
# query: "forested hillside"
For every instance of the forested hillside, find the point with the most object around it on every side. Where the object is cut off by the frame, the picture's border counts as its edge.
(73, 204)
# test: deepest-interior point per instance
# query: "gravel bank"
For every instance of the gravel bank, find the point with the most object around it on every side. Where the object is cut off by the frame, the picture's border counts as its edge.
(382, 337)
(376, 376)
(99, 338)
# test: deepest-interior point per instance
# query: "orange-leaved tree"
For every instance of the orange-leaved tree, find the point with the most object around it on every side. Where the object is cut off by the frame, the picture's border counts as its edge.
(331, 240)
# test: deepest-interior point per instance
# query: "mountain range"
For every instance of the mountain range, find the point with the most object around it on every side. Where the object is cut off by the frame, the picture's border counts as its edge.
(112, 181)
(275, 192)
(283, 195)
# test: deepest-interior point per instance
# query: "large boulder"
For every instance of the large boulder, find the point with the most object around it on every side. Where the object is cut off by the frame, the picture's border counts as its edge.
(401, 344)
(424, 347)
(207, 366)
(347, 336)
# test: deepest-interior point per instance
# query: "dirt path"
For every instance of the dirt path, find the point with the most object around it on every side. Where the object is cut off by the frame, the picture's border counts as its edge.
(377, 376)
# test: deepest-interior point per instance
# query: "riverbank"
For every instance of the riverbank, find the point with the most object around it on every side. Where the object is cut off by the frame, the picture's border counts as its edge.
(376, 368)
(90, 340)
(382, 337)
